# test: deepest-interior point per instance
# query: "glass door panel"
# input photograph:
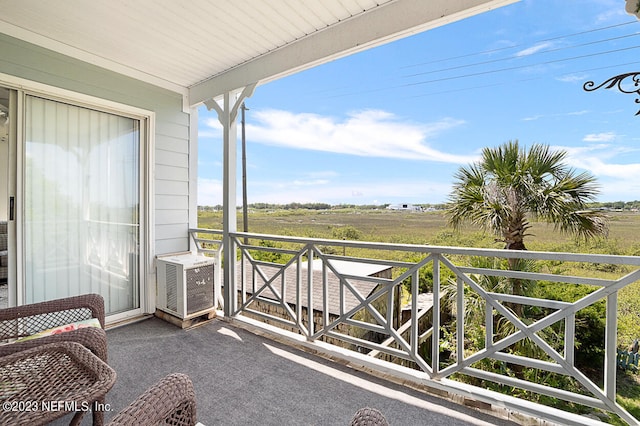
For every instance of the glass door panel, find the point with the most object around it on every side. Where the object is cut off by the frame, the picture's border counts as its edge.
(81, 204)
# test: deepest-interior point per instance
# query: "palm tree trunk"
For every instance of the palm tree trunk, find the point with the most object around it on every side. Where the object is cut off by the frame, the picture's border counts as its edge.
(514, 239)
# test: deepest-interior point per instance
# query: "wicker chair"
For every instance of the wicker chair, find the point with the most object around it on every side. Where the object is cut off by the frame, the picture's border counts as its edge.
(170, 401)
(368, 417)
(26, 320)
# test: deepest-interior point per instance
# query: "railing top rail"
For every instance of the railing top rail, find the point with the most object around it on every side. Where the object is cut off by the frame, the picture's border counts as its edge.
(207, 230)
(464, 251)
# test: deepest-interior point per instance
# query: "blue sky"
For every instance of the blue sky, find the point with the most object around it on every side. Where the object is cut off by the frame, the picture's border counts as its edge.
(394, 123)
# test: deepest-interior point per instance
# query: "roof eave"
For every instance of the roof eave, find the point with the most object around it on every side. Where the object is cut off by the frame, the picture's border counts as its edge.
(381, 25)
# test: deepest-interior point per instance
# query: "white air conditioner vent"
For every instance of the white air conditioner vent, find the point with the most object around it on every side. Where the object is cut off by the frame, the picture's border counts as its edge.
(185, 284)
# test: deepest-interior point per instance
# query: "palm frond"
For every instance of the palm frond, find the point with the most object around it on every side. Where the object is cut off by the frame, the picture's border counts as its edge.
(510, 183)
(584, 224)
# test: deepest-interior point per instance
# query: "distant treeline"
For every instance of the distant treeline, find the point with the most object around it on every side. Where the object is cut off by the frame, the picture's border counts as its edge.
(617, 205)
(614, 205)
(299, 206)
(318, 206)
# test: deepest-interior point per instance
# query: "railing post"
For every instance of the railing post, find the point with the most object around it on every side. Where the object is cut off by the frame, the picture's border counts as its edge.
(325, 295)
(460, 321)
(569, 339)
(435, 336)
(610, 354)
(299, 319)
(488, 325)
(415, 332)
(310, 292)
(218, 279)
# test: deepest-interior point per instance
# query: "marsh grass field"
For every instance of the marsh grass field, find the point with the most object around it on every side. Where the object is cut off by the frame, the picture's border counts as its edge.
(431, 228)
(425, 228)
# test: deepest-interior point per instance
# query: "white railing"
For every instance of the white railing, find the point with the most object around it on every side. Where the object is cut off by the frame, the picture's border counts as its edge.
(277, 278)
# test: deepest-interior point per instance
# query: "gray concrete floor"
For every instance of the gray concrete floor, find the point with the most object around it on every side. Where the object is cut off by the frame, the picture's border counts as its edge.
(241, 378)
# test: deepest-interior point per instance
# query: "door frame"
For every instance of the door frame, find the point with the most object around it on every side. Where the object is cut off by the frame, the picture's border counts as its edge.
(22, 87)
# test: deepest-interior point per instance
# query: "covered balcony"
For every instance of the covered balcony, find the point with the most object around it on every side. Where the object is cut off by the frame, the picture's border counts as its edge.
(304, 333)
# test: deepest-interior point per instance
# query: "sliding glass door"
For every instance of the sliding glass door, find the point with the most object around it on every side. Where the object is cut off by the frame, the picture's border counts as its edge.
(81, 186)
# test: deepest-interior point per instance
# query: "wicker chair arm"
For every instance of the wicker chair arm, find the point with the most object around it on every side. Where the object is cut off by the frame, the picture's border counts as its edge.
(92, 338)
(44, 315)
(170, 401)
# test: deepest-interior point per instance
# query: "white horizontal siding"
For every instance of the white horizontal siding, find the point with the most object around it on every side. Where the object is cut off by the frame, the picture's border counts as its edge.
(172, 217)
(169, 202)
(172, 245)
(170, 187)
(172, 144)
(169, 232)
(169, 158)
(164, 172)
(169, 127)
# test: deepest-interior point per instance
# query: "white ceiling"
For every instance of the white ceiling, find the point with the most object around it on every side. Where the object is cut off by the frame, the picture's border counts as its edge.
(202, 48)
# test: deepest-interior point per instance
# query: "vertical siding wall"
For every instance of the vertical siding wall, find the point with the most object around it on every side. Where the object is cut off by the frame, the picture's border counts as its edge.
(171, 151)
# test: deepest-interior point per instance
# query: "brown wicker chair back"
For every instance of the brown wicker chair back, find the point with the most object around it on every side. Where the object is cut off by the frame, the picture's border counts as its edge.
(368, 417)
(171, 401)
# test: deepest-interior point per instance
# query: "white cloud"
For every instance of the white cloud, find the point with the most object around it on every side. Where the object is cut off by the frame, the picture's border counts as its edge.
(210, 128)
(563, 114)
(600, 168)
(600, 137)
(369, 133)
(213, 123)
(313, 182)
(338, 192)
(619, 189)
(533, 49)
(572, 78)
(602, 160)
(209, 192)
(609, 164)
(322, 174)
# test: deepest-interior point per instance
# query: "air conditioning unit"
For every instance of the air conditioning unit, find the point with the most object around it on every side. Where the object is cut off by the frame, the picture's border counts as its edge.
(185, 284)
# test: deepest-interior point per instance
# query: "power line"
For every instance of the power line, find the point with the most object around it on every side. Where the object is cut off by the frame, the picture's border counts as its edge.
(523, 56)
(503, 83)
(494, 71)
(378, 88)
(521, 66)
(484, 52)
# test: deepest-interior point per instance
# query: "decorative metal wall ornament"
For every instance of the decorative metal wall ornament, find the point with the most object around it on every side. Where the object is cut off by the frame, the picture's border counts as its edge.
(617, 82)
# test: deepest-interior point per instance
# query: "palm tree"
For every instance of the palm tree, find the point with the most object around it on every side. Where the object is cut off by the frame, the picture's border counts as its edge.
(509, 185)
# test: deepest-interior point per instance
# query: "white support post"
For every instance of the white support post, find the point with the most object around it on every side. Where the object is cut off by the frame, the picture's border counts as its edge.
(227, 114)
